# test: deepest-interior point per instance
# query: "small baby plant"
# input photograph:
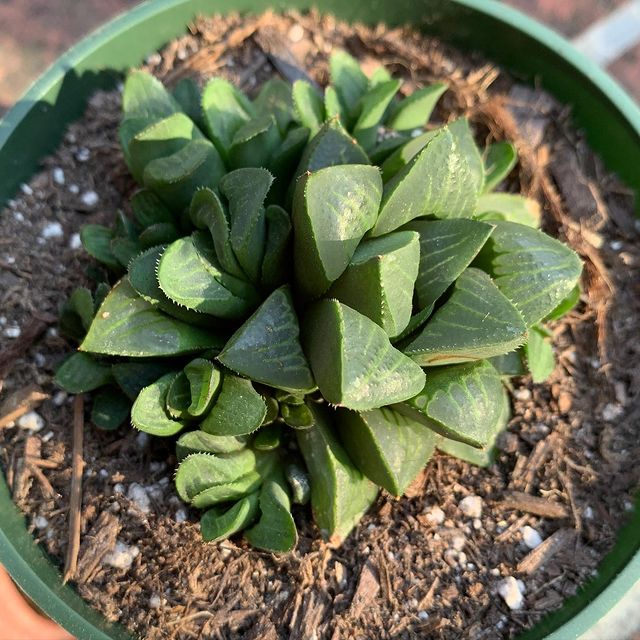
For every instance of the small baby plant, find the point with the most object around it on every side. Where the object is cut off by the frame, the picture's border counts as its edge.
(313, 292)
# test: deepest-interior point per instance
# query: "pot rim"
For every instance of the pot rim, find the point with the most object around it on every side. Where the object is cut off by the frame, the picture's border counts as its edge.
(28, 564)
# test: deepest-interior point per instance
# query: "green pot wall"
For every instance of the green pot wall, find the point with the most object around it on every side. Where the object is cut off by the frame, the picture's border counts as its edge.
(34, 127)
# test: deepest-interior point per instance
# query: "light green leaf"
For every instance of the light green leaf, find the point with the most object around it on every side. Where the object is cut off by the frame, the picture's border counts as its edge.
(308, 106)
(205, 381)
(127, 325)
(238, 410)
(149, 414)
(145, 96)
(352, 360)
(476, 322)
(225, 492)
(81, 302)
(218, 524)
(80, 373)
(268, 437)
(388, 447)
(349, 81)
(374, 104)
(500, 159)
(565, 306)
(110, 409)
(340, 494)
(414, 111)
(466, 145)
(332, 106)
(200, 442)
(438, 181)
(536, 272)
(462, 402)
(275, 98)
(447, 247)
(255, 143)
(508, 207)
(266, 348)
(539, 353)
(333, 208)
(380, 278)
(403, 155)
(297, 416)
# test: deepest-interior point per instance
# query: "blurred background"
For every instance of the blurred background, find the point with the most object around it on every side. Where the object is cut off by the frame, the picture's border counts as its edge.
(35, 32)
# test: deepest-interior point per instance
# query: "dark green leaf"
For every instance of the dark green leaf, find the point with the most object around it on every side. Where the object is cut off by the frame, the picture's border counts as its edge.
(349, 81)
(125, 250)
(81, 302)
(510, 207)
(187, 94)
(374, 104)
(466, 145)
(268, 437)
(96, 239)
(510, 364)
(218, 524)
(81, 373)
(157, 234)
(476, 322)
(352, 360)
(148, 413)
(299, 483)
(205, 381)
(148, 209)
(200, 442)
(414, 111)
(276, 264)
(297, 416)
(500, 159)
(255, 142)
(110, 409)
(308, 106)
(539, 353)
(275, 98)
(379, 154)
(388, 447)
(566, 305)
(225, 492)
(133, 376)
(179, 397)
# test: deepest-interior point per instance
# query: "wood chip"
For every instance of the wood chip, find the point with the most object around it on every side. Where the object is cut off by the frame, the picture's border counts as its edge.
(366, 591)
(75, 499)
(99, 541)
(19, 403)
(23, 474)
(531, 504)
(545, 552)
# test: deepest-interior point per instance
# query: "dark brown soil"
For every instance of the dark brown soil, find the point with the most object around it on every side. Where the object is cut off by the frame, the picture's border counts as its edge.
(566, 467)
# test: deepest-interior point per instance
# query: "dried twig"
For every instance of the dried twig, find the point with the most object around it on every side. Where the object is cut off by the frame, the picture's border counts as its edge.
(549, 548)
(20, 403)
(75, 499)
(530, 504)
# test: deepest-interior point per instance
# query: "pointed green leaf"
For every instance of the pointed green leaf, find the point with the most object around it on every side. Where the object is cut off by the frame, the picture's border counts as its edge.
(200, 471)
(565, 306)
(125, 250)
(225, 110)
(352, 360)
(149, 414)
(447, 248)
(285, 160)
(266, 348)
(174, 178)
(333, 208)
(133, 376)
(268, 437)
(340, 494)
(539, 353)
(414, 111)
(438, 181)
(380, 278)
(388, 447)
(275, 98)
(276, 264)
(127, 325)
(381, 152)
(145, 96)
(373, 107)
(179, 397)
(96, 239)
(331, 146)
(218, 524)
(332, 106)
(205, 381)
(349, 81)
(510, 207)
(462, 402)
(189, 280)
(500, 159)
(297, 416)
(255, 143)
(81, 302)
(536, 272)
(232, 490)
(110, 409)
(148, 209)
(476, 322)
(80, 373)
(246, 190)
(379, 76)
(238, 410)
(275, 531)
(200, 442)
(187, 94)
(308, 106)
(510, 364)
(157, 234)
(466, 145)
(402, 156)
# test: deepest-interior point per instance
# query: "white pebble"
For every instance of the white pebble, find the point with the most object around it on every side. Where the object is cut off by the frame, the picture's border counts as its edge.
(588, 513)
(155, 492)
(47, 436)
(521, 586)
(18, 216)
(103, 473)
(58, 175)
(60, 398)
(423, 615)
(531, 537)
(41, 522)
(163, 482)
(52, 230)
(142, 440)
(3, 321)
(611, 412)
(296, 33)
(40, 361)
(26, 189)
(458, 542)
(522, 394)
(74, 188)
(181, 515)
(509, 591)
(416, 132)
(75, 242)
(155, 602)
(89, 198)
(122, 556)
(139, 496)
(156, 466)
(10, 260)
(471, 506)
(495, 571)
(118, 488)
(435, 515)
(153, 59)
(12, 332)
(616, 245)
(83, 154)
(31, 421)
(477, 524)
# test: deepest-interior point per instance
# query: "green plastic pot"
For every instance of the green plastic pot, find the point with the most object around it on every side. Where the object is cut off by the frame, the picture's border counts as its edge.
(33, 128)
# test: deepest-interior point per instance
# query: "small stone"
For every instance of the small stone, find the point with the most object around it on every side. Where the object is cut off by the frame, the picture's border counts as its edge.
(462, 558)
(521, 586)
(423, 615)
(471, 506)
(225, 553)
(616, 245)
(416, 132)
(31, 421)
(155, 602)
(83, 154)
(118, 488)
(611, 412)
(41, 522)
(531, 537)
(181, 515)
(588, 513)
(509, 591)
(296, 33)
(156, 466)
(471, 566)
(103, 473)
(153, 59)
(89, 198)
(75, 242)
(40, 361)
(450, 556)
(564, 402)
(18, 216)
(435, 515)
(26, 189)
(142, 440)
(59, 398)
(47, 436)
(122, 556)
(522, 394)
(477, 524)
(12, 332)
(52, 230)
(341, 575)
(458, 542)
(495, 571)
(58, 175)
(391, 556)
(74, 188)
(155, 492)
(139, 496)
(3, 321)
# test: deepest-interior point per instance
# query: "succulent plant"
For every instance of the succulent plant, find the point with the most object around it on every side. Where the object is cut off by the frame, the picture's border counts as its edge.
(314, 292)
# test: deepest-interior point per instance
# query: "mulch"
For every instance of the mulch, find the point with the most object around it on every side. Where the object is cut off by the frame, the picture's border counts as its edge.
(566, 466)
